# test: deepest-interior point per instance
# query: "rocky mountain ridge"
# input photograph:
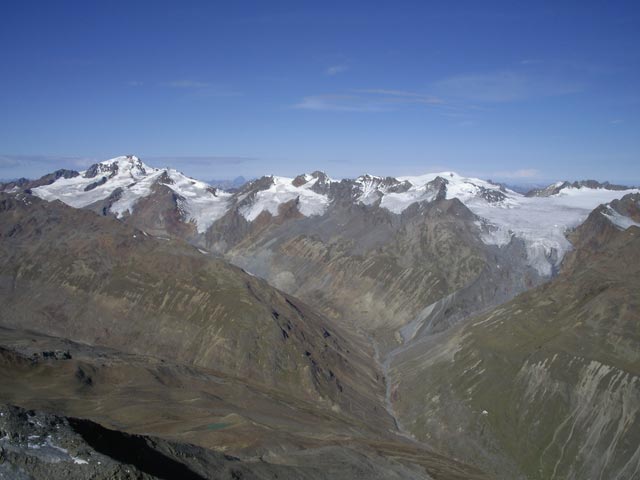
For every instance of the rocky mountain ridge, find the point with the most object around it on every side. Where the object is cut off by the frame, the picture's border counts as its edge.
(385, 286)
(166, 202)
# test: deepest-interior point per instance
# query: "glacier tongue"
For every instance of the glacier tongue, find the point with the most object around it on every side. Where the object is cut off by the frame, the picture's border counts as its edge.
(542, 222)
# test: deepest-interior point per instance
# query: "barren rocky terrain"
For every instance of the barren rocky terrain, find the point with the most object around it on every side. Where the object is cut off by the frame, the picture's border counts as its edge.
(311, 328)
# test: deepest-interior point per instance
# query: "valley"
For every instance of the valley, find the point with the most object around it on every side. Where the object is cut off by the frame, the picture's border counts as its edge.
(435, 326)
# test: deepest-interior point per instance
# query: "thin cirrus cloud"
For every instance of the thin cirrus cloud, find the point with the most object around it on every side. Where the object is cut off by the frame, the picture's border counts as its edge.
(8, 161)
(526, 173)
(504, 86)
(337, 103)
(336, 69)
(202, 160)
(366, 100)
(186, 84)
(208, 166)
(458, 93)
(12, 161)
(403, 96)
(199, 88)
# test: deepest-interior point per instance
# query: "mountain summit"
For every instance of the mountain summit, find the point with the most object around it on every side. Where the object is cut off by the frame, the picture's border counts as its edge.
(118, 185)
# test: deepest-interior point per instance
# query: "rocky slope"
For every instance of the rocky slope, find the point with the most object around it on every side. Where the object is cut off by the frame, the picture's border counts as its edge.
(74, 274)
(215, 425)
(410, 283)
(372, 252)
(366, 265)
(378, 253)
(547, 385)
(36, 445)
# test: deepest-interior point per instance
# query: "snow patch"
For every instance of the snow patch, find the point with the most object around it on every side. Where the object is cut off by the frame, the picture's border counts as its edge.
(398, 202)
(620, 221)
(370, 189)
(282, 190)
(200, 204)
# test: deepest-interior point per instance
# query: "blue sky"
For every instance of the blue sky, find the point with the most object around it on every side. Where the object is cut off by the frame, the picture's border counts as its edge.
(525, 93)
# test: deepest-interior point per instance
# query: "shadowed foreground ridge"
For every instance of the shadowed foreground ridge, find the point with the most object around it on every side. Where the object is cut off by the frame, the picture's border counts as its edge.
(41, 445)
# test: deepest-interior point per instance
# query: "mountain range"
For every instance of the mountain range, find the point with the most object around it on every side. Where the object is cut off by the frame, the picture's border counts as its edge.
(432, 326)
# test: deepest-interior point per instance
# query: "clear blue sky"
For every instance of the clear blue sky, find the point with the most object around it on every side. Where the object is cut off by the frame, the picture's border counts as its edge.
(524, 92)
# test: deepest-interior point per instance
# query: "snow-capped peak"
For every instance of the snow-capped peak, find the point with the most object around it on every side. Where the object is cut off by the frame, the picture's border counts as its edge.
(559, 188)
(275, 190)
(397, 194)
(540, 220)
(126, 179)
(124, 161)
(128, 165)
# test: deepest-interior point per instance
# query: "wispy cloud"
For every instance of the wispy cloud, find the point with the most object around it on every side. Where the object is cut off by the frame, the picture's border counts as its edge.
(135, 83)
(202, 89)
(366, 100)
(403, 96)
(187, 84)
(337, 103)
(530, 173)
(207, 167)
(201, 160)
(530, 61)
(336, 69)
(55, 161)
(460, 94)
(504, 86)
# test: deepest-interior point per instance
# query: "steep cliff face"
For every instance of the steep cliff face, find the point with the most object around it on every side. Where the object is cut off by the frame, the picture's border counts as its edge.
(547, 385)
